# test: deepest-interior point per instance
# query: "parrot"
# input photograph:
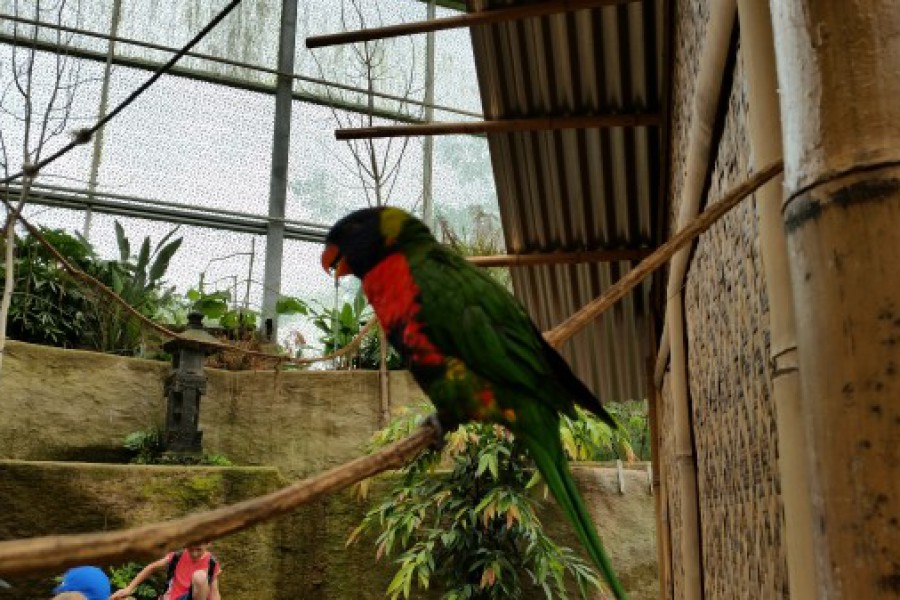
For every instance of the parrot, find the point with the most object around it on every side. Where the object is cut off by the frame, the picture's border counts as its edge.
(469, 345)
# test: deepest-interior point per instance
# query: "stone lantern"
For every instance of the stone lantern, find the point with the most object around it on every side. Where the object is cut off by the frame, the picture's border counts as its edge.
(186, 385)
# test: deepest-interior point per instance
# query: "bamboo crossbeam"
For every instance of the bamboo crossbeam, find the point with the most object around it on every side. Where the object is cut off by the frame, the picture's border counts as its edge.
(53, 553)
(500, 126)
(560, 258)
(565, 330)
(541, 9)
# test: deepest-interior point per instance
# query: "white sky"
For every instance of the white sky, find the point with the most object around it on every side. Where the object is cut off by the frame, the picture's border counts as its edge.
(199, 143)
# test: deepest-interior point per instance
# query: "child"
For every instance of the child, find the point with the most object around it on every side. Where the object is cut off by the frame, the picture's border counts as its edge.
(192, 574)
(90, 583)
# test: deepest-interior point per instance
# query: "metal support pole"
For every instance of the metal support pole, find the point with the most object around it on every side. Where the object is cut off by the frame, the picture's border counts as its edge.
(428, 145)
(101, 112)
(281, 142)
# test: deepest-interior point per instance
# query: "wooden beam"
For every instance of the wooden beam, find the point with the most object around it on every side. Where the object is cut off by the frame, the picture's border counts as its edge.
(501, 126)
(560, 258)
(541, 9)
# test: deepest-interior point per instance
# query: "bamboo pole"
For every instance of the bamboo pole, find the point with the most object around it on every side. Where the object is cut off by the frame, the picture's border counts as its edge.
(663, 553)
(499, 15)
(560, 258)
(705, 106)
(52, 553)
(838, 85)
(765, 145)
(684, 461)
(500, 126)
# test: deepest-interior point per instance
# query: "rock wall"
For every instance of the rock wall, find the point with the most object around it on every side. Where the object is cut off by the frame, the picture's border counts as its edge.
(71, 405)
(76, 405)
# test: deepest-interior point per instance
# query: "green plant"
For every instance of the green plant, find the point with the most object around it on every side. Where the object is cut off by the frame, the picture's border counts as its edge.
(477, 232)
(47, 306)
(339, 326)
(588, 438)
(138, 280)
(471, 531)
(147, 447)
(150, 589)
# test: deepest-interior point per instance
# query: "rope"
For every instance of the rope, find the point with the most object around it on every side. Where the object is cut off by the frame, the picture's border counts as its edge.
(83, 136)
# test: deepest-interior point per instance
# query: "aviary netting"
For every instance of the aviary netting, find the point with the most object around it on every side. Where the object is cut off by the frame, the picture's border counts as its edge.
(51, 553)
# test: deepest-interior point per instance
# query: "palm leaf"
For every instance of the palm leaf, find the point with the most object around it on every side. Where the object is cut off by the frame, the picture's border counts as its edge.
(122, 242)
(161, 263)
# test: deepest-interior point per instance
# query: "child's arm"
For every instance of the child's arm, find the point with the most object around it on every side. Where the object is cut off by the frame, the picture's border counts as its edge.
(139, 578)
(214, 589)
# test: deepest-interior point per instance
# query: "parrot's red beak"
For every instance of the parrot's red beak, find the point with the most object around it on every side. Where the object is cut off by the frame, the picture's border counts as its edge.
(333, 261)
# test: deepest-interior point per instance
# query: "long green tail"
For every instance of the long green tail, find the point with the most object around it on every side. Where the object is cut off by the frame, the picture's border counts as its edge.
(555, 470)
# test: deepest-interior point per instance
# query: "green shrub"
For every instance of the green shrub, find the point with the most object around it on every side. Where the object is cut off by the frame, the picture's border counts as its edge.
(147, 448)
(473, 531)
(150, 589)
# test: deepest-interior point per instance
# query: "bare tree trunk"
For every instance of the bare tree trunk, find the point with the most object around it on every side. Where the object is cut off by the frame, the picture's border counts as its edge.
(383, 378)
(838, 83)
(9, 282)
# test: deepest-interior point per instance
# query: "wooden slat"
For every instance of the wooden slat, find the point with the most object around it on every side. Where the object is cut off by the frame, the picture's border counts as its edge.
(501, 126)
(499, 15)
(561, 258)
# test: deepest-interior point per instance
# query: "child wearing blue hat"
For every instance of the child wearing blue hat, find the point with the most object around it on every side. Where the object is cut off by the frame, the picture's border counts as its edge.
(90, 582)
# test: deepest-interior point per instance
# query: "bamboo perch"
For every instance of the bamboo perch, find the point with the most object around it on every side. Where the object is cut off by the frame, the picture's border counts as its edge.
(500, 126)
(53, 553)
(499, 15)
(56, 552)
(560, 258)
(565, 330)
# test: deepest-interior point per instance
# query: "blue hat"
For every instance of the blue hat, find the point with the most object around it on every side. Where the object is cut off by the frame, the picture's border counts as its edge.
(90, 581)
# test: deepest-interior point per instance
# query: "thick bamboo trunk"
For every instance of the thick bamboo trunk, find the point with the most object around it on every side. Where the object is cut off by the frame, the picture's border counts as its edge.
(765, 146)
(838, 65)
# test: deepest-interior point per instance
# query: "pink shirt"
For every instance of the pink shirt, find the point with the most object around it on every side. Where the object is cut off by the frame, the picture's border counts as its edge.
(181, 582)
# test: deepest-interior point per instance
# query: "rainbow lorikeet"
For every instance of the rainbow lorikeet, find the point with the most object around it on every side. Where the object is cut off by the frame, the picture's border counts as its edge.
(470, 346)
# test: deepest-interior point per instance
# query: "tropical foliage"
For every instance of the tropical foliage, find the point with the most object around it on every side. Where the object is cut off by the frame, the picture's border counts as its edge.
(146, 447)
(151, 589)
(49, 307)
(470, 529)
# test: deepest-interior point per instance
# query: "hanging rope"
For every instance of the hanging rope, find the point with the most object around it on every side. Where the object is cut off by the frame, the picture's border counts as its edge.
(44, 554)
(83, 136)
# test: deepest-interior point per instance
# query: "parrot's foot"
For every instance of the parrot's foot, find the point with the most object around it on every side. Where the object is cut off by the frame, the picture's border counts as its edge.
(435, 422)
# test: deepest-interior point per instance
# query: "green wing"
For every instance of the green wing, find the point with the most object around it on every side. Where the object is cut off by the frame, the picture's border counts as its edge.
(468, 315)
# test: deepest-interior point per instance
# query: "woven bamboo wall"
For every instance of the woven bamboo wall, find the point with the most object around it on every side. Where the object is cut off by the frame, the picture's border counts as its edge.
(727, 337)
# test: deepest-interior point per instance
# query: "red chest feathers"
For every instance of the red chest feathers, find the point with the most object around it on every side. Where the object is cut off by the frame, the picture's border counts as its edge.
(393, 292)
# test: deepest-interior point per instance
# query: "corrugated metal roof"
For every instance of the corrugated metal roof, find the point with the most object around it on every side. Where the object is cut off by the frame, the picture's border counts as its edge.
(584, 189)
